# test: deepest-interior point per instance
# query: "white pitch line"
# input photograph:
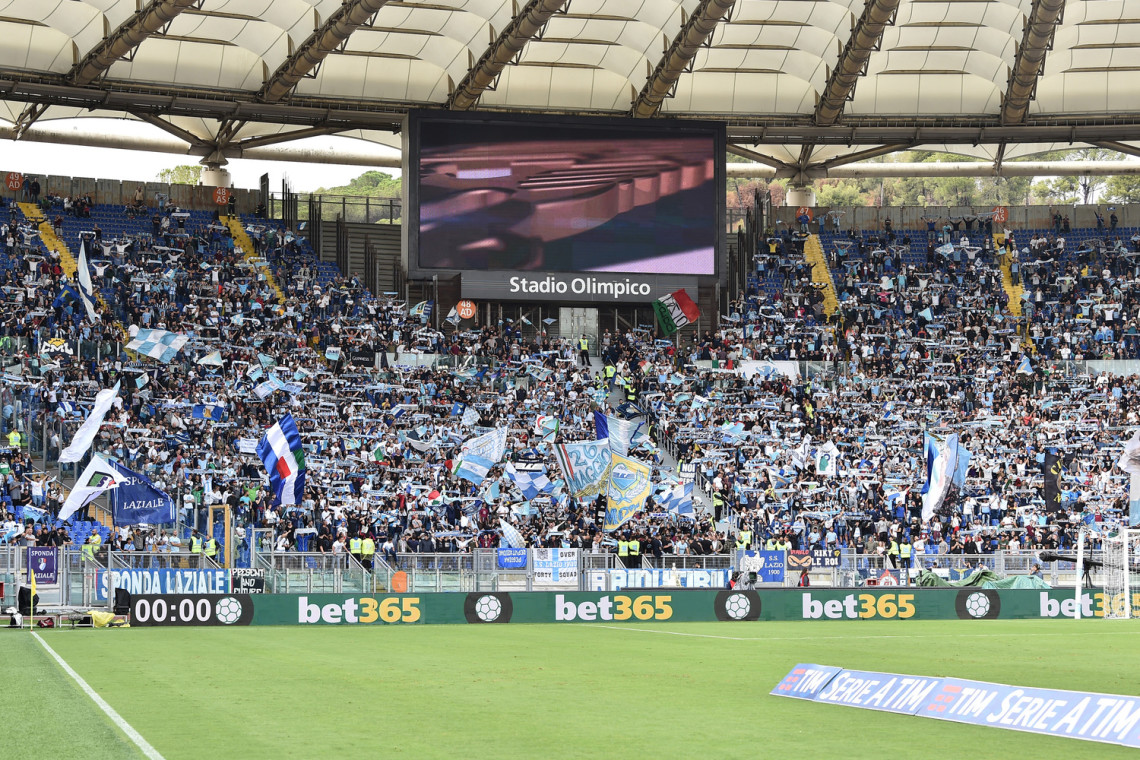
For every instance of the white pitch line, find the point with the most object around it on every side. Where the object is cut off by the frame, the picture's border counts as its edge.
(639, 629)
(117, 719)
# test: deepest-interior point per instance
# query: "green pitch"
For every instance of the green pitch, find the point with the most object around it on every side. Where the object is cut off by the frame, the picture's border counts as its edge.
(526, 691)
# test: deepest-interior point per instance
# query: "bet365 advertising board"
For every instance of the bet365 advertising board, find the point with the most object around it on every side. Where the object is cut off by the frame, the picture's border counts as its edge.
(629, 606)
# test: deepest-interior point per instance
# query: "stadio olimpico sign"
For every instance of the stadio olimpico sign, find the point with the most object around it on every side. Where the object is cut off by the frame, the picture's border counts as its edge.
(586, 287)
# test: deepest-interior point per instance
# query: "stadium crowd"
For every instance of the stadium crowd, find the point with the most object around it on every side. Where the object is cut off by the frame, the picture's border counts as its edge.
(799, 429)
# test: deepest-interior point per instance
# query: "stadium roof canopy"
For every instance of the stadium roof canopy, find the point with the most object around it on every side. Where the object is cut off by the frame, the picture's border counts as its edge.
(801, 83)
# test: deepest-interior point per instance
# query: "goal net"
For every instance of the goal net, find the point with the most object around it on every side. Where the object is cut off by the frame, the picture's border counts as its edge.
(1120, 573)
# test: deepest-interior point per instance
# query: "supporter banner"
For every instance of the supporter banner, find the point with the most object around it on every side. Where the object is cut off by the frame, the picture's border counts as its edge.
(799, 559)
(618, 579)
(1092, 716)
(555, 565)
(44, 562)
(246, 580)
(825, 557)
(511, 559)
(769, 566)
(644, 597)
(163, 581)
(136, 501)
(769, 370)
(1051, 471)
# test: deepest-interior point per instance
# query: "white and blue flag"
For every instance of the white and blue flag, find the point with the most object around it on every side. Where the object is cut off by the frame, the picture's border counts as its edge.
(531, 484)
(678, 500)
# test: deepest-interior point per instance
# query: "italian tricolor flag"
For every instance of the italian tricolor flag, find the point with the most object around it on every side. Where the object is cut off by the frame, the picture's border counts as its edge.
(674, 311)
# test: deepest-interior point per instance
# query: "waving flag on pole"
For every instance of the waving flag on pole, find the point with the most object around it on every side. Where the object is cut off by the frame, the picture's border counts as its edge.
(212, 359)
(137, 500)
(629, 487)
(941, 463)
(86, 433)
(422, 310)
(478, 455)
(1130, 462)
(826, 460)
(622, 434)
(679, 500)
(546, 427)
(96, 479)
(585, 465)
(511, 536)
(470, 416)
(531, 484)
(162, 345)
(283, 455)
(801, 453)
(215, 412)
(86, 289)
(674, 311)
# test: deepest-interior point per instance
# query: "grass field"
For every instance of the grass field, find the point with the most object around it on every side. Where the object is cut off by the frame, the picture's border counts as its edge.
(681, 690)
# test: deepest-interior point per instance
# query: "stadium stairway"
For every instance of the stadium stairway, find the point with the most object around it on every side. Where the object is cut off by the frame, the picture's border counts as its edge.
(70, 267)
(47, 234)
(821, 273)
(1013, 290)
(241, 237)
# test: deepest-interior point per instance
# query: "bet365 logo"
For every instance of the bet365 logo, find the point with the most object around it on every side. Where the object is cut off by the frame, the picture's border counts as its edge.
(391, 609)
(617, 607)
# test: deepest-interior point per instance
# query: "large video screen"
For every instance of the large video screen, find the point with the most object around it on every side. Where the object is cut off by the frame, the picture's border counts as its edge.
(502, 193)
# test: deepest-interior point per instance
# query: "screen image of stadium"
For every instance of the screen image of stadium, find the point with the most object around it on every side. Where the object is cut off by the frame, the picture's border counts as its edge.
(571, 196)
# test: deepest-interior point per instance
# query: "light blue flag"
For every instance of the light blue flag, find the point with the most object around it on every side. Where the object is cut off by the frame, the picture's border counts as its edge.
(511, 536)
(474, 468)
(962, 467)
(623, 434)
(585, 466)
(679, 500)
(531, 484)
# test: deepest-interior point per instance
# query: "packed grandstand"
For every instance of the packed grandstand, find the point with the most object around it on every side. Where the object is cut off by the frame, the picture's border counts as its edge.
(803, 422)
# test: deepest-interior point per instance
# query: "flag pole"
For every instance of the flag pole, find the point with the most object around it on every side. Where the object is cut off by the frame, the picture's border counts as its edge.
(32, 598)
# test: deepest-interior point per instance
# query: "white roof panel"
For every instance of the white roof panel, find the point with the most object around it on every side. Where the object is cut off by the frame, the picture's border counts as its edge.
(767, 59)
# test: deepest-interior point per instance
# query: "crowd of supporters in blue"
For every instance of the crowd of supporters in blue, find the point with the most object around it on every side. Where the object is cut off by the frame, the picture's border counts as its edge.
(924, 340)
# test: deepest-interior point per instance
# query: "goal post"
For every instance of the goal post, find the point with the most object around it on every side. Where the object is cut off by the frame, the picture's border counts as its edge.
(1121, 577)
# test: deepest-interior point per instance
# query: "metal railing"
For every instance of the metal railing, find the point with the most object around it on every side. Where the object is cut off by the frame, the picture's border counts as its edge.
(311, 572)
(687, 562)
(856, 569)
(361, 209)
(121, 560)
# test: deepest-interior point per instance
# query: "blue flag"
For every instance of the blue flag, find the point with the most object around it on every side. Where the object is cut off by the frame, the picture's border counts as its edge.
(215, 412)
(137, 500)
